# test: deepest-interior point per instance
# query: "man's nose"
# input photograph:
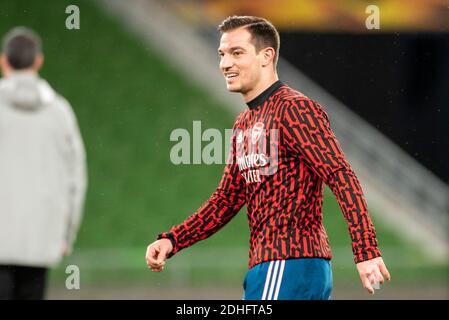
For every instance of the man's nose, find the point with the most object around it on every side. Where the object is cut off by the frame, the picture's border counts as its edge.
(225, 62)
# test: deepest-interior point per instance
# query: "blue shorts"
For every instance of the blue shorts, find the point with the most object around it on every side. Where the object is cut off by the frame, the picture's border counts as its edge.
(292, 279)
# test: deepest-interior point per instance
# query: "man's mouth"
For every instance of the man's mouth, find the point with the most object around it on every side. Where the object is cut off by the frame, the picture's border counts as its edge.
(230, 75)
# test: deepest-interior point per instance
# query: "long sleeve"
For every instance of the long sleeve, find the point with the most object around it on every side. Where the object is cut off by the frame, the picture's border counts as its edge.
(216, 212)
(307, 133)
(77, 175)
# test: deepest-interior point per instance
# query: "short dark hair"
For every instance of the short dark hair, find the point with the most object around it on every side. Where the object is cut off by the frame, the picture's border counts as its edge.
(262, 31)
(21, 47)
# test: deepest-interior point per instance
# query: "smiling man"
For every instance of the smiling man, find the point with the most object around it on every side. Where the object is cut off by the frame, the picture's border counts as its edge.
(282, 186)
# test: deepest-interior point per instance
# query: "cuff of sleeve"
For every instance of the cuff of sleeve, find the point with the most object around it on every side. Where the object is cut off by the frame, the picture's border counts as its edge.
(171, 237)
(366, 255)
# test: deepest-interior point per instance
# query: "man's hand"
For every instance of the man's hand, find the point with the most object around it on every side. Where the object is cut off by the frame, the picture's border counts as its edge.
(157, 253)
(372, 272)
(66, 251)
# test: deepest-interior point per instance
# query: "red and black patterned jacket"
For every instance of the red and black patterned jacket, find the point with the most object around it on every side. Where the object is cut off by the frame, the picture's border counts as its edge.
(282, 151)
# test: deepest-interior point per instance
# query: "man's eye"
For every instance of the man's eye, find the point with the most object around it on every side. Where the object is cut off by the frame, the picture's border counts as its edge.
(237, 53)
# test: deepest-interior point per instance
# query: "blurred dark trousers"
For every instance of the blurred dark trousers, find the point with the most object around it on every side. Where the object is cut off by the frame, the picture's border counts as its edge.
(22, 283)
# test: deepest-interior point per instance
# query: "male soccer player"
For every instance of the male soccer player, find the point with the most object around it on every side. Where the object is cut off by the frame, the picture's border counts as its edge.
(280, 180)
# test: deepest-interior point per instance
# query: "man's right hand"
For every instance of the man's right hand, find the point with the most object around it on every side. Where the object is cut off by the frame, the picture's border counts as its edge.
(157, 253)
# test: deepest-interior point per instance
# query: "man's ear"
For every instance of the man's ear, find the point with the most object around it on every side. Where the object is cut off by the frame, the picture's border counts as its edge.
(268, 55)
(38, 62)
(2, 60)
(4, 65)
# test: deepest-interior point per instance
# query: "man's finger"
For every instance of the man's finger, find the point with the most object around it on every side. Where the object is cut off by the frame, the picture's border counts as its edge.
(151, 255)
(379, 277)
(367, 284)
(157, 269)
(158, 265)
(154, 268)
(153, 264)
(383, 269)
(162, 256)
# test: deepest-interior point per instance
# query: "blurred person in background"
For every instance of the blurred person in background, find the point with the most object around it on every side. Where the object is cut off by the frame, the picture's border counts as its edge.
(289, 254)
(42, 170)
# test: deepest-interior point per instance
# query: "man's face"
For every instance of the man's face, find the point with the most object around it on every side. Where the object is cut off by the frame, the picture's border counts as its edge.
(240, 64)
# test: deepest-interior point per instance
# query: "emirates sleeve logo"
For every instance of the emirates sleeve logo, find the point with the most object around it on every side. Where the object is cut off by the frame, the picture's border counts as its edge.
(256, 132)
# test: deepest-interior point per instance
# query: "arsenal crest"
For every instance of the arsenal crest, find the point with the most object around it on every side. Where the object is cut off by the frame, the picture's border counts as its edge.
(257, 132)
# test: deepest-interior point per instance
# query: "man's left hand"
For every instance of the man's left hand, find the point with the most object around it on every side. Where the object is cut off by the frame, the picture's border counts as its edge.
(372, 272)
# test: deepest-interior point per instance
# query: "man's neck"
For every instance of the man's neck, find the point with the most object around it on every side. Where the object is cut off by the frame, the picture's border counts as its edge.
(11, 72)
(260, 87)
